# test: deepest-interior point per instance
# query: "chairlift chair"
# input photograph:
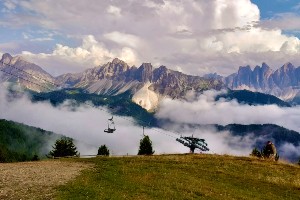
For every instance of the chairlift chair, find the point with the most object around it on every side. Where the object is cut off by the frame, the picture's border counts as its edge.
(110, 126)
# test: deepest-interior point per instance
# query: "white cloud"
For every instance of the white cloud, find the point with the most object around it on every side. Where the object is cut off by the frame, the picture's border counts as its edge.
(197, 36)
(123, 39)
(204, 110)
(90, 53)
(86, 124)
(116, 11)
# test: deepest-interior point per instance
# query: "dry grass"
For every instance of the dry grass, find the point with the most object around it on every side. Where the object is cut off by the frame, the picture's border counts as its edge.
(36, 180)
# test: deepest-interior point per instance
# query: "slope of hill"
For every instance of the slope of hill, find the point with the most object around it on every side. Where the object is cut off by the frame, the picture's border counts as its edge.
(184, 177)
(268, 131)
(26, 74)
(118, 104)
(19, 142)
(253, 98)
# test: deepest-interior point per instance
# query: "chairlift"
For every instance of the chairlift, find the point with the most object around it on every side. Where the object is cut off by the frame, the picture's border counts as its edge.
(193, 143)
(110, 126)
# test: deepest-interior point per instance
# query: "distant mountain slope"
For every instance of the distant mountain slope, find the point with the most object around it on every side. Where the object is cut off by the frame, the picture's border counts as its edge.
(265, 132)
(279, 134)
(19, 142)
(149, 85)
(117, 77)
(16, 69)
(253, 98)
(118, 104)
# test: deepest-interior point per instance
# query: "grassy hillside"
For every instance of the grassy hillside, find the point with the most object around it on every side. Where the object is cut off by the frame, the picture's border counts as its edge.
(19, 142)
(184, 177)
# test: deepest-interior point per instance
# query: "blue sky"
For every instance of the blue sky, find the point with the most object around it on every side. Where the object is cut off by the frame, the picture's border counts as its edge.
(195, 37)
(269, 9)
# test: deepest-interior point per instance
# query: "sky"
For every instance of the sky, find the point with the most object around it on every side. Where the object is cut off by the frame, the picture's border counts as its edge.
(193, 36)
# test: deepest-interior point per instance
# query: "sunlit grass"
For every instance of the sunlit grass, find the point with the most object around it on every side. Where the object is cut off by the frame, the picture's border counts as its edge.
(184, 177)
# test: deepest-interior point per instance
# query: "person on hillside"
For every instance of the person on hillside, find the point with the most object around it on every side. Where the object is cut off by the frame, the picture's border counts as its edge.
(270, 150)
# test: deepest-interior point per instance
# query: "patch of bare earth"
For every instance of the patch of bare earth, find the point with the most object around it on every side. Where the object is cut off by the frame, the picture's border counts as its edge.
(36, 180)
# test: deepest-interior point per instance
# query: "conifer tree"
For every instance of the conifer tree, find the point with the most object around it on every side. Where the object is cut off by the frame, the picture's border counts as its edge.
(255, 152)
(103, 150)
(64, 147)
(145, 146)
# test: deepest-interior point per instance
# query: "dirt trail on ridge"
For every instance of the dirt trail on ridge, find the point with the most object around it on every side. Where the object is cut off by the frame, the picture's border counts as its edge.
(36, 180)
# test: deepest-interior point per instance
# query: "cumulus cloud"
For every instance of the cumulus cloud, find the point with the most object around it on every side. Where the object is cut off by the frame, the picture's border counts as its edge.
(90, 53)
(197, 36)
(116, 11)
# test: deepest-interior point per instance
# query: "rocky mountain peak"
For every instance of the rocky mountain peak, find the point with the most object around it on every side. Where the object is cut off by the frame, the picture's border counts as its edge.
(118, 61)
(245, 69)
(264, 66)
(287, 67)
(6, 58)
(144, 73)
(162, 68)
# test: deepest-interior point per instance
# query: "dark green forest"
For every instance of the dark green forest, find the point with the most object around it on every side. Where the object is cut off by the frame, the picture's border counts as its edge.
(19, 142)
(252, 98)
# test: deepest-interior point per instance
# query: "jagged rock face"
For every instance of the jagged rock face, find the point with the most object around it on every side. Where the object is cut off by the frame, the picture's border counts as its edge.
(112, 78)
(144, 73)
(283, 83)
(116, 77)
(26, 74)
(163, 81)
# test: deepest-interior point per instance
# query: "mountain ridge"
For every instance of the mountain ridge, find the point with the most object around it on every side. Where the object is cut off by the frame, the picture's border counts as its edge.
(283, 82)
(117, 77)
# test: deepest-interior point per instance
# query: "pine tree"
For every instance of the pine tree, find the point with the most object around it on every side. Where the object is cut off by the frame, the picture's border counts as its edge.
(64, 147)
(145, 146)
(255, 152)
(103, 150)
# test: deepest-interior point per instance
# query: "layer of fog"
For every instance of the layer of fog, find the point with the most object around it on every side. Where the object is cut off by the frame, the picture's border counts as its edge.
(203, 109)
(86, 124)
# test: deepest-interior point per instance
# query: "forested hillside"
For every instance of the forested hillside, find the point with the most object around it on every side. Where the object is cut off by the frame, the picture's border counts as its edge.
(253, 98)
(19, 142)
(118, 104)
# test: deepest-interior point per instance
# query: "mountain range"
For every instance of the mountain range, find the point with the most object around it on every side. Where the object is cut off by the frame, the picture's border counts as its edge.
(283, 82)
(148, 85)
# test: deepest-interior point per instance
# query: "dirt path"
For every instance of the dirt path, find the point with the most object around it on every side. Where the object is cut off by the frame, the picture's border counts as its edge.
(36, 180)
